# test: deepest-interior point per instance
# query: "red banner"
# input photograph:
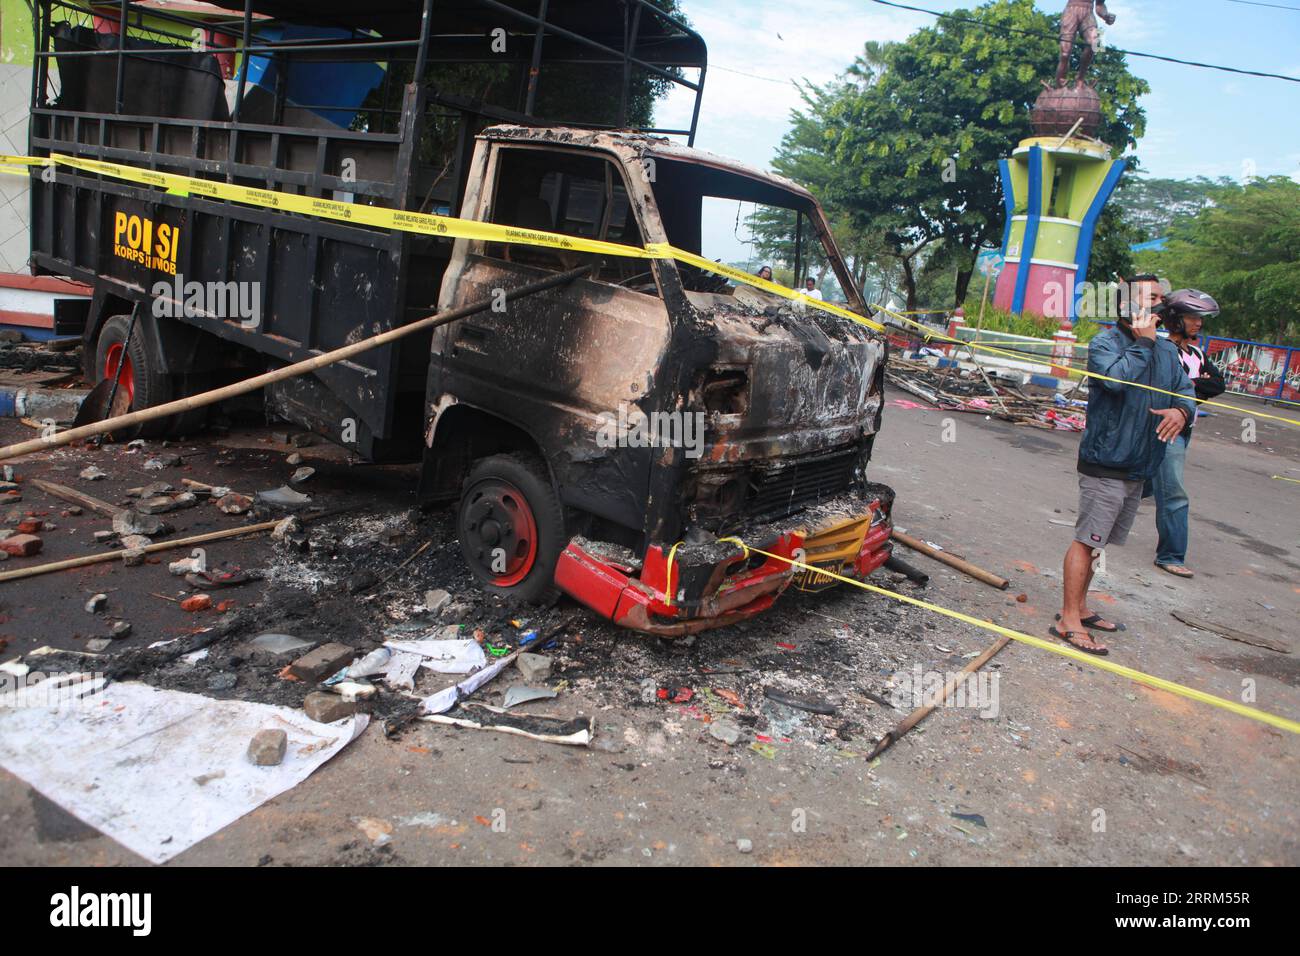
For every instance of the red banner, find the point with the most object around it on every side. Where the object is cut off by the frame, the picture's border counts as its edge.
(1291, 390)
(1250, 368)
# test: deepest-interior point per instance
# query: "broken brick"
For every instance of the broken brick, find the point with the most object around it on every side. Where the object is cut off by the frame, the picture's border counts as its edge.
(267, 747)
(326, 708)
(323, 662)
(21, 545)
(196, 602)
(234, 504)
(30, 526)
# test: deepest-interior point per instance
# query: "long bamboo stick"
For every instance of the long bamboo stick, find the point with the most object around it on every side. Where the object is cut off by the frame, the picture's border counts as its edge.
(918, 715)
(280, 374)
(89, 559)
(965, 567)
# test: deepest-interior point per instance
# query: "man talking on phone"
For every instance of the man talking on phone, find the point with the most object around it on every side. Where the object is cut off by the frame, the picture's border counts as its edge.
(1139, 400)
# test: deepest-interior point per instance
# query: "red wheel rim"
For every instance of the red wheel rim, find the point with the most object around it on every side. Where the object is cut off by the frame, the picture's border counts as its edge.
(116, 353)
(499, 531)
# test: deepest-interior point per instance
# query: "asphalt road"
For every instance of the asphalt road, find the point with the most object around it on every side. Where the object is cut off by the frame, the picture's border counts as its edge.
(1078, 767)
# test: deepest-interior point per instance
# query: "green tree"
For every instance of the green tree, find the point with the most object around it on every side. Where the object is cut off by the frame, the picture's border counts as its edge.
(1151, 205)
(914, 141)
(1243, 249)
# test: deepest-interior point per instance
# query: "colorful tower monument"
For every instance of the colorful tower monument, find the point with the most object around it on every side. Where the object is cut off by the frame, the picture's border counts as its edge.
(1054, 189)
(1056, 184)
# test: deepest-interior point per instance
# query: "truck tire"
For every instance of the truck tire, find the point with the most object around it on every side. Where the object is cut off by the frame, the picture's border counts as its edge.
(143, 379)
(511, 527)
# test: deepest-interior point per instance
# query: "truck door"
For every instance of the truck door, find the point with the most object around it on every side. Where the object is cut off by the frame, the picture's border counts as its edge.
(561, 364)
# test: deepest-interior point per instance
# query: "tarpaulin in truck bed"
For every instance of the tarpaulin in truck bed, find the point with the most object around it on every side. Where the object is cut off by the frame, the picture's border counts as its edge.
(600, 20)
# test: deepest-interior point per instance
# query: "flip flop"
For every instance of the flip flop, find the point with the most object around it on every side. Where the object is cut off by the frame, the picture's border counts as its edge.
(219, 579)
(1176, 571)
(1094, 622)
(1080, 642)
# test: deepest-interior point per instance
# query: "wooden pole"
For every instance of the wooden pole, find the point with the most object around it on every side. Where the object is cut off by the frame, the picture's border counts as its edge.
(280, 374)
(75, 497)
(965, 567)
(89, 559)
(918, 715)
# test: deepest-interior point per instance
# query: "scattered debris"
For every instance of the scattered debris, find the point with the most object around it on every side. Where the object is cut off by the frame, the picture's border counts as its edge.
(1231, 634)
(131, 522)
(519, 694)
(21, 545)
(233, 503)
(283, 498)
(800, 703)
(445, 656)
(93, 473)
(534, 667)
(97, 603)
(435, 601)
(576, 732)
(324, 661)
(267, 748)
(279, 644)
(726, 730)
(326, 708)
(376, 662)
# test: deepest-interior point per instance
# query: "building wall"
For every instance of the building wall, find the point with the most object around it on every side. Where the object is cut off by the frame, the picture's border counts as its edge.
(16, 47)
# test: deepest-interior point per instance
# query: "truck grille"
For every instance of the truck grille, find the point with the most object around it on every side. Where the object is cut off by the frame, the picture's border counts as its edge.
(777, 492)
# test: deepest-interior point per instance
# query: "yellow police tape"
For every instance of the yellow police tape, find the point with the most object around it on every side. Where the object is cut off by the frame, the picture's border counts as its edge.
(930, 333)
(455, 228)
(1280, 478)
(452, 227)
(417, 222)
(1064, 650)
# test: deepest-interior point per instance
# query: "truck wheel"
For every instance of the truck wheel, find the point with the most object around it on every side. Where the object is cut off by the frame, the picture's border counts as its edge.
(142, 379)
(511, 527)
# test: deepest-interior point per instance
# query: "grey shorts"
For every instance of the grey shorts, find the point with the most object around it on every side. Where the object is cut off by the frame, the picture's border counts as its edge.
(1107, 507)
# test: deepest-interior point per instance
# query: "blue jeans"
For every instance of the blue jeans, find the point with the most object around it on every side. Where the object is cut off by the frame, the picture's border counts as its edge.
(1172, 504)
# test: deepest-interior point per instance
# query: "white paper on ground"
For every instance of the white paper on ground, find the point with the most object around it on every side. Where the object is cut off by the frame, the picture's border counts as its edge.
(401, 670)
(126, 759)
(446, 657)
(446, 698)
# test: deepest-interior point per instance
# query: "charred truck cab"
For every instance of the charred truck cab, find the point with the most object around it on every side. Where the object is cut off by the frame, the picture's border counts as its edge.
(607, 438)
(633, 438)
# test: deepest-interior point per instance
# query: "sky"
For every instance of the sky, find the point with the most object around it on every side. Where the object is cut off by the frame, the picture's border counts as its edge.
(1199, 122)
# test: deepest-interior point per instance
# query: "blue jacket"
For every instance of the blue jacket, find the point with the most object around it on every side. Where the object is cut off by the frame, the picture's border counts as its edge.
(1120, 440)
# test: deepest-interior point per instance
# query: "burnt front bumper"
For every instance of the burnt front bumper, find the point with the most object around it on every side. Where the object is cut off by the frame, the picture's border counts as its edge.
(675, 591)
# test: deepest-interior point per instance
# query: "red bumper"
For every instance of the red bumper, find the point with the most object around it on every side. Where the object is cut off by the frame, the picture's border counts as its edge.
(713, 592)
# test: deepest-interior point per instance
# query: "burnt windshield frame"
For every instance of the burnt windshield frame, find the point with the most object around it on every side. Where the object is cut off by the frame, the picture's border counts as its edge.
(680, 187)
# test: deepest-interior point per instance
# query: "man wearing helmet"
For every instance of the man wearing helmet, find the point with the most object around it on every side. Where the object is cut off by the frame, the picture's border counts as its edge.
(1182, 313)
(1139, 400)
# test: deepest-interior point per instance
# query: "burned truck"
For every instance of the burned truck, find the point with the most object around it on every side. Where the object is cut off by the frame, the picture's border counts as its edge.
(650, 438)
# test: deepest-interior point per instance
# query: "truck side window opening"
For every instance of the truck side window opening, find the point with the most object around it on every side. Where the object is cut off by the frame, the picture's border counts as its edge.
(714, 213)
(571, 194)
